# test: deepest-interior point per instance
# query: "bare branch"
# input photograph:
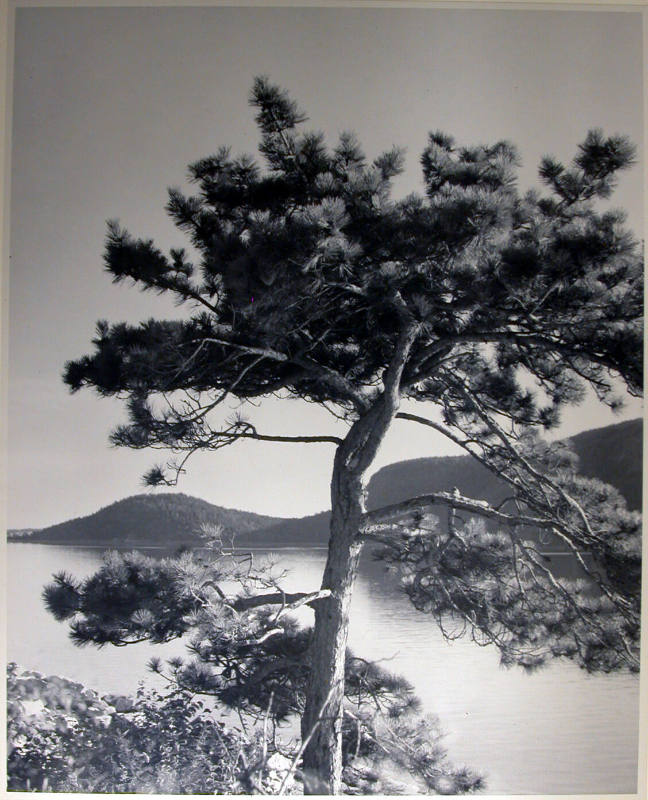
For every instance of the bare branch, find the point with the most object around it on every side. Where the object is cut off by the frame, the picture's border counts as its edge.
(317, 370)
(267, 352)
(519, 458)
(289, 601)
(430, 424)
(268, 438)
(382, 519)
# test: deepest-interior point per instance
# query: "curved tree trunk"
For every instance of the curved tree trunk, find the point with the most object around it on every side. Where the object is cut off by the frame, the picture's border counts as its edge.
(322, 720)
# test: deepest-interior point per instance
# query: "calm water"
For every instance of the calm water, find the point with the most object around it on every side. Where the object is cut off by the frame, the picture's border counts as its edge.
(557, 731)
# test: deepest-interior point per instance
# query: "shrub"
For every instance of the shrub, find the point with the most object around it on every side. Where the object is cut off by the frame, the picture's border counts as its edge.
(62, 737)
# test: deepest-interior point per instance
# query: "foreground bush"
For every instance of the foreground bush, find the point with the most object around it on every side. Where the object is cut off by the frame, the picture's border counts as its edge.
(62, 737)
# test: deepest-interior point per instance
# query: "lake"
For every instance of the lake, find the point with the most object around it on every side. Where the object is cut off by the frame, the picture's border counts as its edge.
(557, 731)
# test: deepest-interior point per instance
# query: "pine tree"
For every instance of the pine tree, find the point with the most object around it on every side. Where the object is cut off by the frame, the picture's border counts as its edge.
(494, 307)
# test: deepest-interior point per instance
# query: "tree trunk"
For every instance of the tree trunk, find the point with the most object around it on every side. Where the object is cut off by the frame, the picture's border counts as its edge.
(322, 720)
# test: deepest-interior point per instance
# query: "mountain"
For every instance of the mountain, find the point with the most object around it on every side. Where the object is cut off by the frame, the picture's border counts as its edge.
(153, 519)
(613, 454)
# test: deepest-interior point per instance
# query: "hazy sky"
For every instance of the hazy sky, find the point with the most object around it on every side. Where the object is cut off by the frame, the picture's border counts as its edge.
(110, 104)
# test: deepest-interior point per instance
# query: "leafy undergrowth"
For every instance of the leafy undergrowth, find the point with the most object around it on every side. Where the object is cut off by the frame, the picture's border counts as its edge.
(63, 737)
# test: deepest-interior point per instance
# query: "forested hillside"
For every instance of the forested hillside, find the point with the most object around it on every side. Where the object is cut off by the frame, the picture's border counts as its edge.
(154, 519)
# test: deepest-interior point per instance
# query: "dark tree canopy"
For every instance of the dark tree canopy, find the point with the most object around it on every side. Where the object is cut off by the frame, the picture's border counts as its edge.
(494, 308)
(305, 272)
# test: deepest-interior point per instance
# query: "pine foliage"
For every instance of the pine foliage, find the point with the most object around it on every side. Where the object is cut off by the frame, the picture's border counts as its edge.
(303, 271)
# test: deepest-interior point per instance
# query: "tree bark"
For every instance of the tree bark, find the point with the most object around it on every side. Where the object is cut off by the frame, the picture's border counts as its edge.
(322, 719)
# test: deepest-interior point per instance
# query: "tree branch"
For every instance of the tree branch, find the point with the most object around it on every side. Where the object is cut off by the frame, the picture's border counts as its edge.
(287, 600)
(538, 476)
(519, 338)
(425, 421)
(268, 438)
(268, 352)
(382, 519)
(319, 371)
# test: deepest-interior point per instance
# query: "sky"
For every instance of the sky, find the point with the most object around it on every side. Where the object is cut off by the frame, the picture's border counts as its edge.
(111, 104)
